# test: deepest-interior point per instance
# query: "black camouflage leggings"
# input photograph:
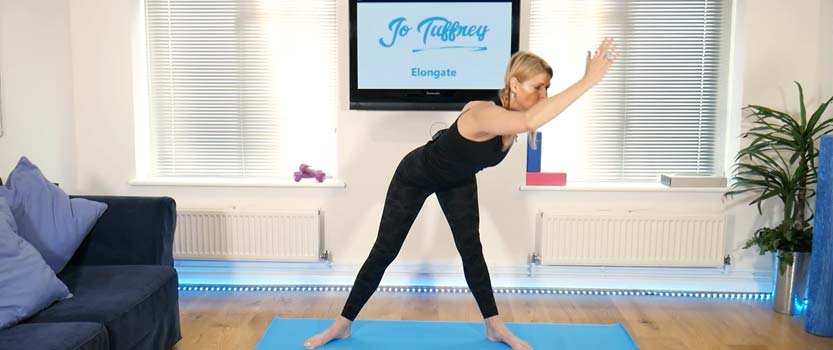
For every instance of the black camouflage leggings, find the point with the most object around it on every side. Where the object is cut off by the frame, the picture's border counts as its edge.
(409, 188)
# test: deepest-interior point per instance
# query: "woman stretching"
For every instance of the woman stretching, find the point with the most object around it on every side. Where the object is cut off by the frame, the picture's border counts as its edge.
(479, 138)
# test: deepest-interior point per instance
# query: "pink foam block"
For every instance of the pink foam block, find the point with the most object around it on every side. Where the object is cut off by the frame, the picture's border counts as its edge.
(546, 179)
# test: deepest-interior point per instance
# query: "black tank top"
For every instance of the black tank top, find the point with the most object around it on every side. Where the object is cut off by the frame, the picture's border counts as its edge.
(453, 158)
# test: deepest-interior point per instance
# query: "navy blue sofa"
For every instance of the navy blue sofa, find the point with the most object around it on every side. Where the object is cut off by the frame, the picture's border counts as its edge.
(123, 283)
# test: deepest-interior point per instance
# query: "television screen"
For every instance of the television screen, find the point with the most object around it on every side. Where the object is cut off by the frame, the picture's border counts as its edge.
(429, 54)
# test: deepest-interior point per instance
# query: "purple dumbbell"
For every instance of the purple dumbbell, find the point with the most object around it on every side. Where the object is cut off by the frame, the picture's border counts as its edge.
(306, 172)
(299, 175)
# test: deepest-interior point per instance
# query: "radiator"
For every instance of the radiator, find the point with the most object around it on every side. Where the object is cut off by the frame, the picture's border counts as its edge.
(238, 235)
(607, 240)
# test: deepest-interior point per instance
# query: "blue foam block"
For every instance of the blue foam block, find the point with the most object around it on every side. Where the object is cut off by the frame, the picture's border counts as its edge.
(820, 289)
(533, 156)
(290, 333)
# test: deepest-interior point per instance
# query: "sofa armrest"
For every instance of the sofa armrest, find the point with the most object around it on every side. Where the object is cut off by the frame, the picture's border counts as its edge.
(132, 231)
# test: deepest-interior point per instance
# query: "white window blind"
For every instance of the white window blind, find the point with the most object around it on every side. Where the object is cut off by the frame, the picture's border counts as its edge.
(241, 88)
(657, 109)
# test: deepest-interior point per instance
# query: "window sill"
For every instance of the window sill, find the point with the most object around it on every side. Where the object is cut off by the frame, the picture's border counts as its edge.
(222, 182)
(621, 187)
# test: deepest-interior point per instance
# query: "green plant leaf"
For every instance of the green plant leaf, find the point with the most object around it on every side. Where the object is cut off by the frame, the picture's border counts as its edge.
(770, 113)
(778, 140)
(814, 119)
(824, 128)
(801, 101)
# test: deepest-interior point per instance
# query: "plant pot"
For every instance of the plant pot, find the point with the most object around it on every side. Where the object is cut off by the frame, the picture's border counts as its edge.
(791, 286)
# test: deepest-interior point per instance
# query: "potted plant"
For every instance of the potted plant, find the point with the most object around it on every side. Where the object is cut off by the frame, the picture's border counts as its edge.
(780, 162)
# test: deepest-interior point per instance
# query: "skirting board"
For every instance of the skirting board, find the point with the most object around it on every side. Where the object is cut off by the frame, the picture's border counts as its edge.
(567, 277)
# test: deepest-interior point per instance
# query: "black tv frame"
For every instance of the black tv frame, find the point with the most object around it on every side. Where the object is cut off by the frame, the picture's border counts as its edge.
(419, 99)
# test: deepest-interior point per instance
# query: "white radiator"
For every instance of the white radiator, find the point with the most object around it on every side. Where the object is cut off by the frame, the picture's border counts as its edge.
(238, 235)
(607, 240)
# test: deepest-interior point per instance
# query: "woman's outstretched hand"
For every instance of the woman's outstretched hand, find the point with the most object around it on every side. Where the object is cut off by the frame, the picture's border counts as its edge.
(598, 64)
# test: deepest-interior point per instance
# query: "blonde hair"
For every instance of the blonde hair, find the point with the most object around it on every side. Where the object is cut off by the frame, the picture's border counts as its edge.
(522, 66)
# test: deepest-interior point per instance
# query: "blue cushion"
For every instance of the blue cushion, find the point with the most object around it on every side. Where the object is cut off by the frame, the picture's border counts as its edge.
(55, 336)
(27, 284)
(46, 217)
(132, 301)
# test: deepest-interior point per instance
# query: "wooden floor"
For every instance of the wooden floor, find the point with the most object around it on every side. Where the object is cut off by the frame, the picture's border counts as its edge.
(218, 320)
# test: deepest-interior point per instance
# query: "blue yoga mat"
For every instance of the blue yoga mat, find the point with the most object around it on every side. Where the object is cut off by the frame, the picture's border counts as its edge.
(290, 333)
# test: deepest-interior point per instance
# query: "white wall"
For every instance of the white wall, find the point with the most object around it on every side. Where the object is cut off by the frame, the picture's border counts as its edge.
(371, 143)
(788, 41)
(825, 61)
(36, 88)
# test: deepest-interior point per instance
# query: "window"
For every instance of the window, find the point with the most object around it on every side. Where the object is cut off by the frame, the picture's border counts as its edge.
(240, 88)
(657, 110)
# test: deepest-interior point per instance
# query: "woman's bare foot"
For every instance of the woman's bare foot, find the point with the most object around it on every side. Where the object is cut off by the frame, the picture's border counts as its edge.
(340, 329)
(497, 331)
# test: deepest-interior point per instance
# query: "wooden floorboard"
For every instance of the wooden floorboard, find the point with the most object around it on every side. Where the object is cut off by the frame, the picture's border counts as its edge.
(225, 320)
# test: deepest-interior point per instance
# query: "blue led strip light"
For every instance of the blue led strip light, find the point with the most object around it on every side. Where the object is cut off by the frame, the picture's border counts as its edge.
(556, 291)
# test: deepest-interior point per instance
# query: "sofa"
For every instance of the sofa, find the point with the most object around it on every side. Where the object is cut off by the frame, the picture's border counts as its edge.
(124, 286)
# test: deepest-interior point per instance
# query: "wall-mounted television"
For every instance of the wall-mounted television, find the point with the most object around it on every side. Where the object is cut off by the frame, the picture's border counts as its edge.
(429, 55)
